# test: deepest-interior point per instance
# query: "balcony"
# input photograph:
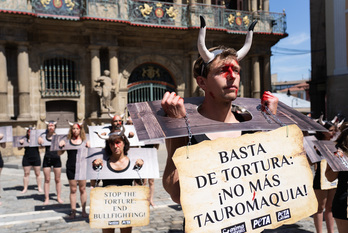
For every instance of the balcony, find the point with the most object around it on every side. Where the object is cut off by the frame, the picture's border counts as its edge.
(149, 14)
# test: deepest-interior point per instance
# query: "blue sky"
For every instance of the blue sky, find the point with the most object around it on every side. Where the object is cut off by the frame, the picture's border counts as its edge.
(292, 66)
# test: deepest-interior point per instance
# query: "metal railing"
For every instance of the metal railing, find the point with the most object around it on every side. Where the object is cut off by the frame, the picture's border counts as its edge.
(150, 13)
(146, 92)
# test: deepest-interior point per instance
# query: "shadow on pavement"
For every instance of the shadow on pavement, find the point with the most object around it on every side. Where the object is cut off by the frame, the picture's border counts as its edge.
(37, 197)
(175, 207)
(54, 207)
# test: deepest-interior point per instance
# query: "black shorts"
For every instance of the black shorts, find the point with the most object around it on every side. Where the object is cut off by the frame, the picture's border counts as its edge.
(31, 162)
(52, 162)
(70, 173)
(1, 162)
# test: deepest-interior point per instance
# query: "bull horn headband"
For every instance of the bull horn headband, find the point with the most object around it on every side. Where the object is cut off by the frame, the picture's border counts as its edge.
(321, 121)
(120, 133)
(208, 56)
(113, 116)
(340, 123)
(333, 121)
(72, 123)
(50, 122)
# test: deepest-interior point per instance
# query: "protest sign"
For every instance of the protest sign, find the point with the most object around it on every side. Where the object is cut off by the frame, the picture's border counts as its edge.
(247, 184)
(324, 183)
(119, 206)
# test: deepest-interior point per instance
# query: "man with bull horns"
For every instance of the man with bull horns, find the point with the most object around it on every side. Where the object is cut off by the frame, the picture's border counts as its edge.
(217, 73)
(117, 122)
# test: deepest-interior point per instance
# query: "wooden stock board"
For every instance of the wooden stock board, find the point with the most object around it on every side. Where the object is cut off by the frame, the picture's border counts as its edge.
(151, 123)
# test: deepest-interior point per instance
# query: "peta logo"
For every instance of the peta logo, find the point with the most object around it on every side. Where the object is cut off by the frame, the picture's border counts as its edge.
(126, 222)
(283, 215)
(261, 221)
(113, 223)
(238, 228)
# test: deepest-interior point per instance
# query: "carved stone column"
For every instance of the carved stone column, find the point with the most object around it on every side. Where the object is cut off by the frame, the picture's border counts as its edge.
(114, 72)
(266, 5)
(267, 82)
(95, 73)
(246, 79)
(256, 77)
(3, 85)
(23, 82)
(253, 5)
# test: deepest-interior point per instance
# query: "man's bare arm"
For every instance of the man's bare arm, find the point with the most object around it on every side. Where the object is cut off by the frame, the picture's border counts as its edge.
(170, 178)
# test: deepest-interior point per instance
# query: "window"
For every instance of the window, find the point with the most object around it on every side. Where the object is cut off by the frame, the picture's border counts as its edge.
(58, 78)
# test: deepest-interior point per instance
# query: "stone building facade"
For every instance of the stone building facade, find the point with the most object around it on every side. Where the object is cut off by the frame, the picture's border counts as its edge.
(53, 51)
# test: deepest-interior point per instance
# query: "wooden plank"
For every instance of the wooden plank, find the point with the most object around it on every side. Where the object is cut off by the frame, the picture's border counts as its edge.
(96, 141)
(7, 132)
(16, 142)
(35, 134)
(327, 149)
(150, 168)
(151, 123)
(309, 146)
(68, 146)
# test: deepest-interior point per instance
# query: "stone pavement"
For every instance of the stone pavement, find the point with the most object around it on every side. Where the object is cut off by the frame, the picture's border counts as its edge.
(21, 213)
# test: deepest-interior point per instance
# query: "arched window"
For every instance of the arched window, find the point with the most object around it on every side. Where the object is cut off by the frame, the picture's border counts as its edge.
(148, 82)
(58, 78)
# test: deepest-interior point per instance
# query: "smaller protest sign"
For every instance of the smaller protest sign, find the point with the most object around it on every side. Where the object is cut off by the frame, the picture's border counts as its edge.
(119, 207)
(324, 183)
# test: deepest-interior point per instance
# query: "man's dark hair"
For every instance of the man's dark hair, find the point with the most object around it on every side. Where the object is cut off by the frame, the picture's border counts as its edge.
(197, 68)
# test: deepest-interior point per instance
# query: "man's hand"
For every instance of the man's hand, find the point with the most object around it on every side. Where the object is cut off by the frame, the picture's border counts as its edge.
(173, 105)
(270, 101)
